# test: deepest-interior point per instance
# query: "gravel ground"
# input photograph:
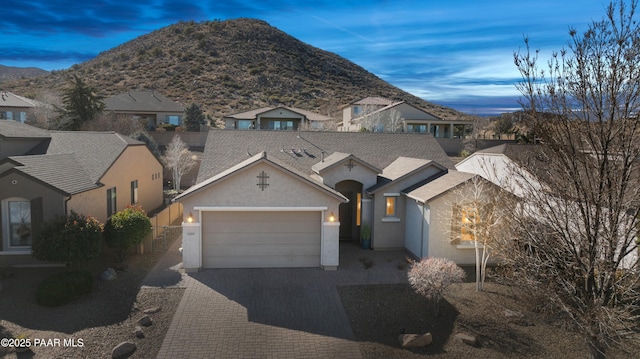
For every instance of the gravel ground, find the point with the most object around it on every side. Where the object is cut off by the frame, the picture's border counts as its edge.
(95, 323)
(380, 313)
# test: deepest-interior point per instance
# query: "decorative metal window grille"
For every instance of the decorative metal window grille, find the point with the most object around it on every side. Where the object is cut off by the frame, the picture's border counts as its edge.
(262, 180)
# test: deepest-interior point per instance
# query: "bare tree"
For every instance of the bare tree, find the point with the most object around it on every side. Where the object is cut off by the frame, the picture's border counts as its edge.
(576, 239)
(480, 217)
(393, 120)
(121, 123)
(178, 159)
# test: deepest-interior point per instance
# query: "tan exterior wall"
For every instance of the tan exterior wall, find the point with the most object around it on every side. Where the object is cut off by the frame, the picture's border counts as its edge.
(241, 190)
(135, 163)
(440, 236)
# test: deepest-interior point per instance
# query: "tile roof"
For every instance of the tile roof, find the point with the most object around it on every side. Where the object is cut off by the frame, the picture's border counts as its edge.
(373, 101)
(141, 101)
(301, 150)
(439, 185)
(94, 151)
(62, 171)
(253, 114)
(336, 158)
(15, 129)
(8, 99)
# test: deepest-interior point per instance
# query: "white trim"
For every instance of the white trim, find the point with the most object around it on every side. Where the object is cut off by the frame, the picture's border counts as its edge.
(393, 194)
(257, 209)
(390, 219)
(16, 252)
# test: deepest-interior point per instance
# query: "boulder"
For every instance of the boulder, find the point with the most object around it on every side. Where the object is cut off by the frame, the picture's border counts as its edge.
(145, 321)
(512, 314)
(467, 339)
(109, 274)
(138, 332)
(415, 340)
(151, 310)
(123, 350)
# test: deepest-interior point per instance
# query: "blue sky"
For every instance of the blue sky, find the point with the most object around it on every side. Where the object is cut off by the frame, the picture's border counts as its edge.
(457, 53)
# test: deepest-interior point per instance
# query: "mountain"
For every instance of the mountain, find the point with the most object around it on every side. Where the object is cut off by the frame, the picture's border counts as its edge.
(227, 67)
(8, 73)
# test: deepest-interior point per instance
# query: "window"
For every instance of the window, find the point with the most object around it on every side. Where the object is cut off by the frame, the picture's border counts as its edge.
(174, 120)
(244, 125)
(358, 208)
(357, 110)
(391, 207)
(469, 220)
(19, 223)
(134, 192)
(280, 125)
(111, 201)
(417, 128)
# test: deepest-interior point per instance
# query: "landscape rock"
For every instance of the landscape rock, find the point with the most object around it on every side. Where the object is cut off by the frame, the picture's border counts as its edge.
(123, 350)
(467, 339)
(415, 340)
(109, 274)
(508, 313)
(139, 333)
(145, 321)
(151, 310)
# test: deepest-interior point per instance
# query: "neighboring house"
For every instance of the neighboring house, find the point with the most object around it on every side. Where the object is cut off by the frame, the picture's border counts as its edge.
(14, 107)
(277, 118)
(92, 173)
(507, 166)
(383, 115)
(148, 106)
(286, 199)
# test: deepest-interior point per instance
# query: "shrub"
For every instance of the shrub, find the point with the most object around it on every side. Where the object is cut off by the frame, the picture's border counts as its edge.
(63, 287)
(430, 277)
(126, 229)
(73, 239)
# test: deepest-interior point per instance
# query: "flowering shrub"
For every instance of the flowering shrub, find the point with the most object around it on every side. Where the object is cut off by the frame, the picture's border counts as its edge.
(430, 277)
(126, 229)
(73, 239)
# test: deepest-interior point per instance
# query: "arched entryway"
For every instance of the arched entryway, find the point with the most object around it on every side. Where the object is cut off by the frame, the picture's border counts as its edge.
(350, 213)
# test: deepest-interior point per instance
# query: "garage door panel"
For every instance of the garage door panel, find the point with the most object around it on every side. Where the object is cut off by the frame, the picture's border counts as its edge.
(262, 250)
(261, 239)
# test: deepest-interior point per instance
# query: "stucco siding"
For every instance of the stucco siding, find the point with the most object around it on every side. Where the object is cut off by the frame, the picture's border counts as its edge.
(415, 226)
(340, 172)
(440, 236)
(15, 185)
(241, 190)
(135, 163)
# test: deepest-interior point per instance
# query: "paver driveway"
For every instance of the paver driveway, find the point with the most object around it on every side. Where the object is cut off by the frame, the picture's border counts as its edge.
(274, 313)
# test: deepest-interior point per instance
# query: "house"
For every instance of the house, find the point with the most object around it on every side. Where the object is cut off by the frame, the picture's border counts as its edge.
(277, 118)
(287, 199)
(511, 166)
(14, 107)
(380, 115)
(93, 173)
(149, 106)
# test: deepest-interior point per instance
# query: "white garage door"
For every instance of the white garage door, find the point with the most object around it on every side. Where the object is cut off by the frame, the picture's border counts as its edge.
(260, 239)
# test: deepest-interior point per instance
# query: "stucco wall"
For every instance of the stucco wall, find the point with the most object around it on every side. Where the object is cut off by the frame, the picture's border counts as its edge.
(135, 163)
(390, 234)
(241, 189)
(17, 185)
(17, 147)
(440, 236)
(340, 172)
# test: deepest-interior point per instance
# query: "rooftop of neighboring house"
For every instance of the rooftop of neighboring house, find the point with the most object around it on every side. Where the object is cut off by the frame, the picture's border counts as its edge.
(301, 150)
(253, 114)
(8, 99)
(15, 129)
(142, 101)
(377, 101)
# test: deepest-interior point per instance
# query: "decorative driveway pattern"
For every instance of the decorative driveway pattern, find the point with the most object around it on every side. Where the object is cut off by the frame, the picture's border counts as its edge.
(275, 313)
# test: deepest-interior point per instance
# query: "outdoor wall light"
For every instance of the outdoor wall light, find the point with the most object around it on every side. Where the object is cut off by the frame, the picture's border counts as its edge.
(332, 217)
(190, 218)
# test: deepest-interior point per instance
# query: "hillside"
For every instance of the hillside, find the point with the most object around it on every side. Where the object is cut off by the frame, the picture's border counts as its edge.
(8, 73)
(227, 67)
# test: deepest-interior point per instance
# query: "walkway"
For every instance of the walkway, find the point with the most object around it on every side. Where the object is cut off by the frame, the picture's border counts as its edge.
(273, 313)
